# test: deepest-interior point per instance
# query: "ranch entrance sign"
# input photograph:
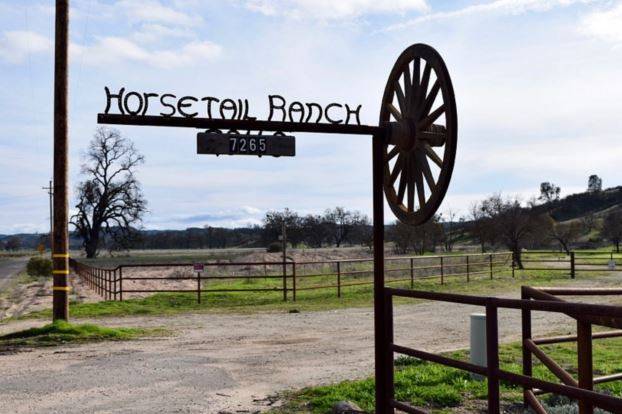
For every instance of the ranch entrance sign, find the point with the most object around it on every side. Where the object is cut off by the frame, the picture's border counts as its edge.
(413, 152)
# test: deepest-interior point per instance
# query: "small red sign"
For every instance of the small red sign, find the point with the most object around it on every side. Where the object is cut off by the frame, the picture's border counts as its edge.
(198, 267)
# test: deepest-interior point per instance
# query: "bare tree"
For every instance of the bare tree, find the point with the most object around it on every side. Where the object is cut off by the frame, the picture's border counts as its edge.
(403, 237)
(481, 226)
(612, 228)
(515, 225)
(110, 201)
(589, 222)
(563, 233)
(449, 229)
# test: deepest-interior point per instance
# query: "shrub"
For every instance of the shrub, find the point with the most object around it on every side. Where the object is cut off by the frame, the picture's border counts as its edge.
(274, 247)
(39, 266)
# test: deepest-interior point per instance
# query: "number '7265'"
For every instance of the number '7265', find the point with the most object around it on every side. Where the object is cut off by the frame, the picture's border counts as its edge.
(242, 145)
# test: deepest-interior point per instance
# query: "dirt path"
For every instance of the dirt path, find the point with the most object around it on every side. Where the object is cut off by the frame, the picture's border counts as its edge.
(226, 363)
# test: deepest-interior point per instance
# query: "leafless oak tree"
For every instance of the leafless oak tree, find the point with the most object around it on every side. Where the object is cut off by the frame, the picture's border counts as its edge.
(110, 200)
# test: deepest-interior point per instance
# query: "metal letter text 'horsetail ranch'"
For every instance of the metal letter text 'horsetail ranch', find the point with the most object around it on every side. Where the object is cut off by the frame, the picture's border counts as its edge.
(215, 141)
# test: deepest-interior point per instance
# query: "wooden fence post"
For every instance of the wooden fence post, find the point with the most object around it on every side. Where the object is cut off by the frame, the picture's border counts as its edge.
(115, 284)
(490, 259)
(492, 358)
(572, 266)
(526, 331)
(412, 273)
(584, 352)
(468, 272)
(294, 281)
(121, 283)
(513, 264)
(284, 281)
(338, 279)
(442, 272)
(198, 287)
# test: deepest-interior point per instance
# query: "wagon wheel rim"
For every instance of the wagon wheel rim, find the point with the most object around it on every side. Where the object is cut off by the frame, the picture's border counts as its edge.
(419, 112)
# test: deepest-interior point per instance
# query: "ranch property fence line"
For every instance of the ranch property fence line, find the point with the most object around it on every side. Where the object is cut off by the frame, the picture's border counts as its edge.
(293, 277)
(572, 262)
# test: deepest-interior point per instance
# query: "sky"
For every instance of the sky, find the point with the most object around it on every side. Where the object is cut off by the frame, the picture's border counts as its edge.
(537, 85)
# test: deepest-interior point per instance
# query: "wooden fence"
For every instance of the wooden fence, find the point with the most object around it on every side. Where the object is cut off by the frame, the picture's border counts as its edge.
(572, 262)
(288, 278)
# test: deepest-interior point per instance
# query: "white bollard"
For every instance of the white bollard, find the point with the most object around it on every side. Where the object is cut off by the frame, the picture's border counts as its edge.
(478, 342)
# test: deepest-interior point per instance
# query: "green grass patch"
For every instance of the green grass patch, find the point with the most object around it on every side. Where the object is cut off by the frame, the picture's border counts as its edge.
(61, 332)
(441, 389)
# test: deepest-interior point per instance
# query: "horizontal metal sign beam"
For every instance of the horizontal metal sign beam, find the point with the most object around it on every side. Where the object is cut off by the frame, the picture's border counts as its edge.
(238, 124)
(237, 144)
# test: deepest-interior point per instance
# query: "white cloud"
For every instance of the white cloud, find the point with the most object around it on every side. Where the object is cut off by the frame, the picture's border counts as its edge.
(604, 25)
(331, 9)
(108, 50)
(16, 46)
(500, 7)
(154, 11)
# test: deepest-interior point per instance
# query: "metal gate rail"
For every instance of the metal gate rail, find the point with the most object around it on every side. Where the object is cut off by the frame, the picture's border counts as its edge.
(586, 397)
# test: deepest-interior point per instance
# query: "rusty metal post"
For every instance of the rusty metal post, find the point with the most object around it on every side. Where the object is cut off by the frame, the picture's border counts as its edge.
(572, 266)
(115, 284)
(60, 254)
(198, 287)
(442, 272)
(294, 281)
(492, 358)
(584, 352)
(412, 273)
(490, 260)
(384, 385)
(467, 269)
(338, 279)
(526, 331)
(513, 264)
(121, 283)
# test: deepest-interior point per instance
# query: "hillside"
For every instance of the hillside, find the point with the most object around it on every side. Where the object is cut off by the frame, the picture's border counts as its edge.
(576, 206)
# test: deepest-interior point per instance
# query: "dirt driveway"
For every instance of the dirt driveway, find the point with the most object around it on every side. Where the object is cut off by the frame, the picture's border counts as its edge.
(226, 363)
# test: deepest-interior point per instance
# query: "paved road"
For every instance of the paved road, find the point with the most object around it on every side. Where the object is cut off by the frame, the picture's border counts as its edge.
(9, 268)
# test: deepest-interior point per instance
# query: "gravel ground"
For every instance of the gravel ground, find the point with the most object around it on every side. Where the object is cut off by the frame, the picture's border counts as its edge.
(227, 363)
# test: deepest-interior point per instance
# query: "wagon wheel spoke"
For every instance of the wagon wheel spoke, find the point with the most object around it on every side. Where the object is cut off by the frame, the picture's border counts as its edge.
(403, 181)
(397, 168)
(425, 168)
(411, 188)
(408, 89)
(429, 101)
(433, 155)
(429, 120)
(392, 153)
(396, 114)
(425, 79)
(420, 188)
(401, 99)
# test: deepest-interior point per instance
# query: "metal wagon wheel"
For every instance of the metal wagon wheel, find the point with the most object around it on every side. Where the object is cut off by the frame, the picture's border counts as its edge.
(419, 108)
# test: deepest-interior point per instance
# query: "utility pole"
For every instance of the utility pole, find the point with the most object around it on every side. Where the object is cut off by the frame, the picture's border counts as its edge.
(60, 254)
(50, 190)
